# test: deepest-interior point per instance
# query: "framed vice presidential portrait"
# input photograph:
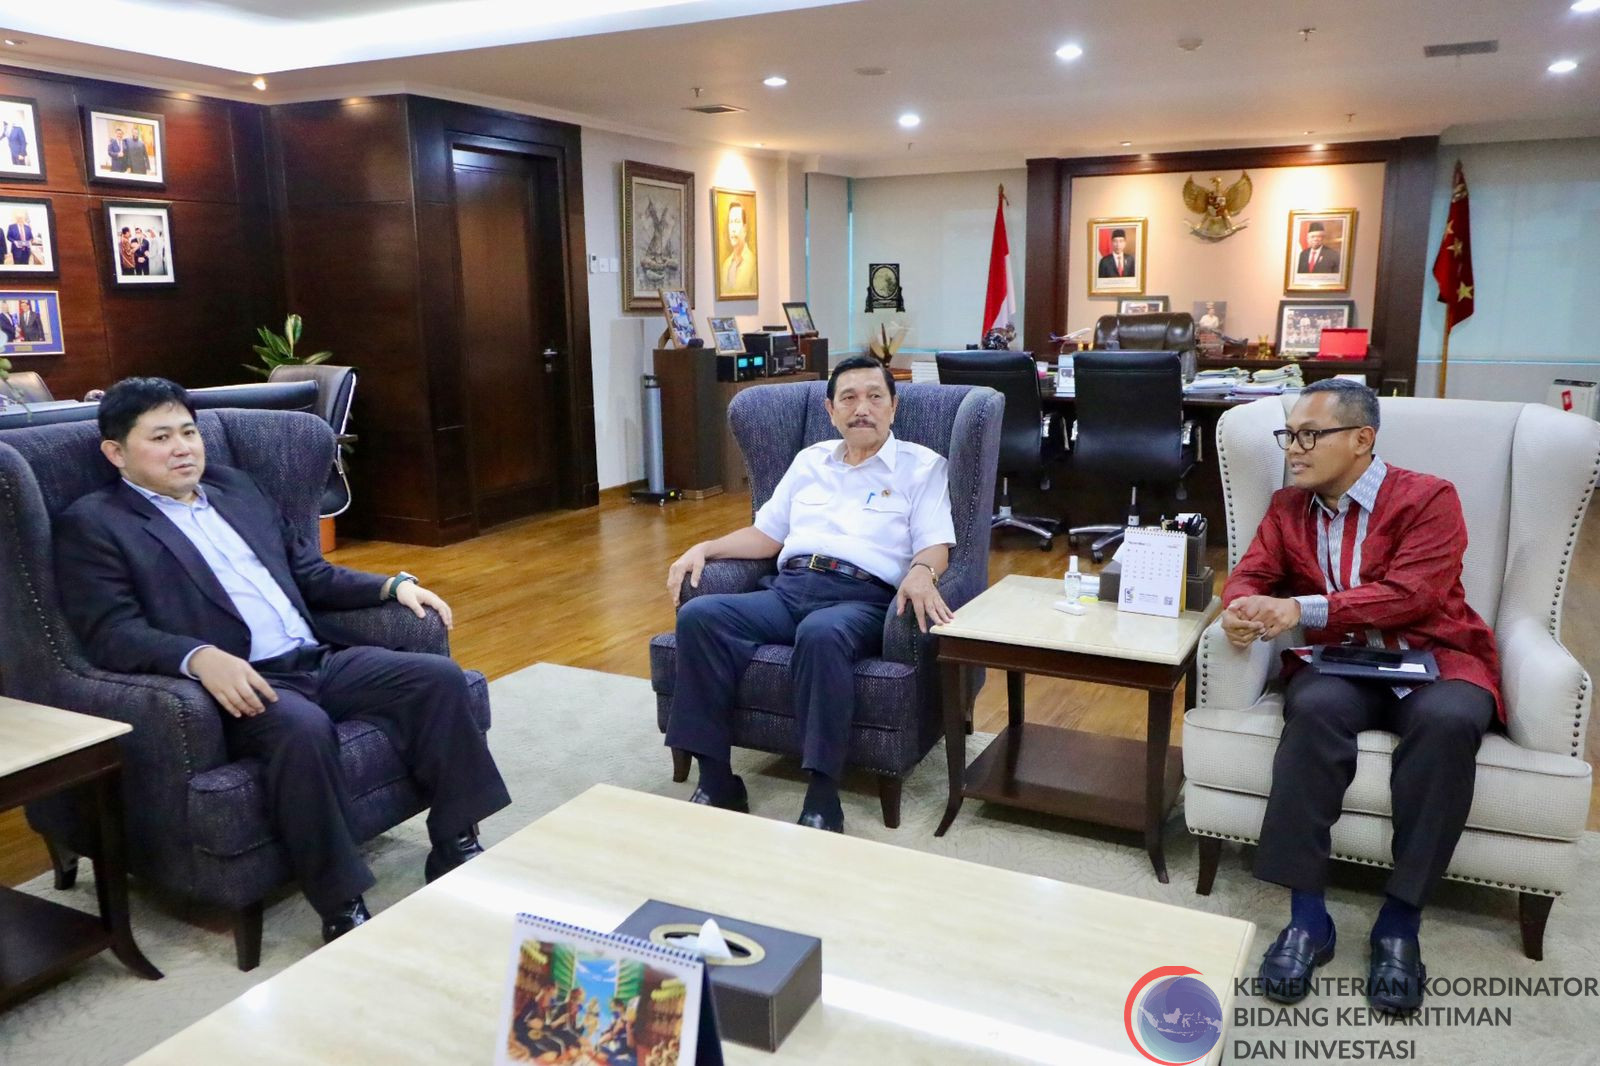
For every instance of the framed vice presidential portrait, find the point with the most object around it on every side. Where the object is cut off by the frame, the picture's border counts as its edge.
(30, 236)
(657, 234)
(1301, 322)
(141, 242)
(1144, 305)
(1116, 256)
(30, 323)
(1321, 246)
(20, 158)
(733, 218)
(125, 146)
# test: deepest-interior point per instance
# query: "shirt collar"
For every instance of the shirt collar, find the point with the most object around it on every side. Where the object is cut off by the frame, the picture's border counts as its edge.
(888, 453)
(1365, 490)
(158, 499)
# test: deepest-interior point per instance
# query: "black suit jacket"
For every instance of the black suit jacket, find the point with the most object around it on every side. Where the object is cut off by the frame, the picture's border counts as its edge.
(1327, 261)
(1108, 266)
(141, 597)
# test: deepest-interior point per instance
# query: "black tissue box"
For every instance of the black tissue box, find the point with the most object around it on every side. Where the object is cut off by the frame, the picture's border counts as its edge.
(759, 1003)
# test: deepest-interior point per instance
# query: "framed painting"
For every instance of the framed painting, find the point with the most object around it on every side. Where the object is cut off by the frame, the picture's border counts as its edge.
(29, 229)
(141, 242)
(1301, 322)
(657, 234)
(733, 214)
(1320, 247)
(20, 158)
(1144, 305)
(30, 323)
(125, 146)
(1116, 256)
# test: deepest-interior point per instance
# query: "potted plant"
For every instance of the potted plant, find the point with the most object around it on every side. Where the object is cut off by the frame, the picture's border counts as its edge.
(277, 350)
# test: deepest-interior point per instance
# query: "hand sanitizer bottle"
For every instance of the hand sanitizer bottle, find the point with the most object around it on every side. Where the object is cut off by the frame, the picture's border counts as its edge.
(1072, 587)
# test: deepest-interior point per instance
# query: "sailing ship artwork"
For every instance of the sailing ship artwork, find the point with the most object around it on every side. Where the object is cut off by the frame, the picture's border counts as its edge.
(658, 234)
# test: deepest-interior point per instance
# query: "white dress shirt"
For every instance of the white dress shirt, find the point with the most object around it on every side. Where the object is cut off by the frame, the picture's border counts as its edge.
(876, 515)
(276, 627)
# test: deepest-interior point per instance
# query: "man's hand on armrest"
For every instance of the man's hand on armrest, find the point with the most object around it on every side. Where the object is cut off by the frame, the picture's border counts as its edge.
(414, 597)
(746, 543)
(232, 682)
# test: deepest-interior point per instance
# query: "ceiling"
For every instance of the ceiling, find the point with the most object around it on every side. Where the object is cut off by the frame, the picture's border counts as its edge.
(981, 73)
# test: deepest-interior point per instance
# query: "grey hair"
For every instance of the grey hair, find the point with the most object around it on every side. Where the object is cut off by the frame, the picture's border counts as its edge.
(1358, 405)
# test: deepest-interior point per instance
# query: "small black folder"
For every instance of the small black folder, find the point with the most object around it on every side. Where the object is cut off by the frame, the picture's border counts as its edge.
(1408, 666)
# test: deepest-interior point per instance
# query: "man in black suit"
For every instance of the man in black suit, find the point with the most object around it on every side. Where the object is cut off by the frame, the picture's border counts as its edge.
(29, 324)
(192, 572)
(117, 151)
(8, 325)
(1116, 264)
(1314, 258)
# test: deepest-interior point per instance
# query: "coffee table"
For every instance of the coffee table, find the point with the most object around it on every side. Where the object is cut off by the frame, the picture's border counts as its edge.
(45, 750)
(925, 959)
(1112, 781)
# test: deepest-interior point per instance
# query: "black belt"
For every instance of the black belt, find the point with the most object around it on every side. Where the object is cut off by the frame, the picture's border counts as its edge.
(835, 566)
(302, 660)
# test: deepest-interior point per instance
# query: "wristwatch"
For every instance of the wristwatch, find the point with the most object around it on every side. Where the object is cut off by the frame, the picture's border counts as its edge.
(395, 582)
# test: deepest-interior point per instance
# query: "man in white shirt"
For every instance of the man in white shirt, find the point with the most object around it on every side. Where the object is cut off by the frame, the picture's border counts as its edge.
(856, 525)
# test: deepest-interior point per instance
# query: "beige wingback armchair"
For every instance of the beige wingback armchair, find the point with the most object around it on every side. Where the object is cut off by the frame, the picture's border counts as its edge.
(1525, 474)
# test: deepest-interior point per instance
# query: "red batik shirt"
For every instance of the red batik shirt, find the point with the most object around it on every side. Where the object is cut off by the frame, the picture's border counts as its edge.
(1383, 569)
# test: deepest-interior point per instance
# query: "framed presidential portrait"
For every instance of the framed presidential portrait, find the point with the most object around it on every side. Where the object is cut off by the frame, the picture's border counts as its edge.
(1116, 256)
(125, 146)
(657, 234)
(20, 158)
(141, 242)
(30, 323)
(1144, 305)
(29, 228)
(733, 220)
(1320, 248)
(1301, 322)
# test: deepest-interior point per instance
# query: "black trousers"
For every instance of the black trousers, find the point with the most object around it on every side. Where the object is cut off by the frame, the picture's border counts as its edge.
(1440, 726)
(831, 620)
(419, 701)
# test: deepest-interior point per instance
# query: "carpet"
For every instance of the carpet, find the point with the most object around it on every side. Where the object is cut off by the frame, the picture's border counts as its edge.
(559, 730)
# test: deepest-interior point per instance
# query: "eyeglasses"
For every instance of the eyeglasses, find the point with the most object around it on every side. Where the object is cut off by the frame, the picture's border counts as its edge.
(1306, 438)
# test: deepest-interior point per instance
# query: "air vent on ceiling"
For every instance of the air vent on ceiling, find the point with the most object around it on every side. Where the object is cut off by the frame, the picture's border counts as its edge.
(715, 109)
(1461, 48)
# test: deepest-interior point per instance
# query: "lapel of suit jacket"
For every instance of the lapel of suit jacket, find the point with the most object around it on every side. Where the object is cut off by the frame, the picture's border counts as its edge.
(173, 539)
(269, 551)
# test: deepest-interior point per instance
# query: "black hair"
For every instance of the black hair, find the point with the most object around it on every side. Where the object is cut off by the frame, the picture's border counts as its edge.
(1358, 405)
(124, 229)
(129, 398)
(861, 362)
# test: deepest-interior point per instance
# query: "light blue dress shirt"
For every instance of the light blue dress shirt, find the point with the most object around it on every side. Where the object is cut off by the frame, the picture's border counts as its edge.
(276, 628)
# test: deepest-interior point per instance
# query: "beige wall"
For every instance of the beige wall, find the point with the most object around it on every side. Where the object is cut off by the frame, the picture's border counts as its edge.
(1245, 269)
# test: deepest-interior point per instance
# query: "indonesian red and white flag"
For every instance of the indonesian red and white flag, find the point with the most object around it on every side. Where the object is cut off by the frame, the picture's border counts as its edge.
(1000, 302)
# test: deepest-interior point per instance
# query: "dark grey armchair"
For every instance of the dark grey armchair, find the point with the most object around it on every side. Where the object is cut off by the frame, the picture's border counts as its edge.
(196, 820)
(898, 709)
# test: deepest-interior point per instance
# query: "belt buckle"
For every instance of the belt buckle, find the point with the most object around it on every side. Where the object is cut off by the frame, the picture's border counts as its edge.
(811, 564)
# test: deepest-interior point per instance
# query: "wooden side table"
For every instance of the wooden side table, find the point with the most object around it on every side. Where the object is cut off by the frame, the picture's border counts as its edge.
(45, 750)
(1113, 781)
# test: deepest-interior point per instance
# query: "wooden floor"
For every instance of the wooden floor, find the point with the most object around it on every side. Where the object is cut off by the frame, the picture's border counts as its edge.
(587, 588)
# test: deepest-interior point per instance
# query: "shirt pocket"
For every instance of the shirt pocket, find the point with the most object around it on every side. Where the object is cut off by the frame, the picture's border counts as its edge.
(886, 519)
(813, 496)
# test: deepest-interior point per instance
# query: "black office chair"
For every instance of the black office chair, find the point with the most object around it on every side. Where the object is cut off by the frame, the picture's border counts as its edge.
(1130, 427)
(1162, 332)
(336, 388)
(1029, 439)
(25, 386)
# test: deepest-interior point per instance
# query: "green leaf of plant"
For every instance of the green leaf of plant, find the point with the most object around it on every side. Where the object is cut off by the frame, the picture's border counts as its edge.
(291, 330)
(320, 357)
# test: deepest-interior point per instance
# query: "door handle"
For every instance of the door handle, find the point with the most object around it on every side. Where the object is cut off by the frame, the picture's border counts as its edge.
(550, 356)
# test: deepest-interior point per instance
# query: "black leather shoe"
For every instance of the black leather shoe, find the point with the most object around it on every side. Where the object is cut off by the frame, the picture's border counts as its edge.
(1395, 976)
(738, 800)
(446, 857)
(1287, 966)
(813, 820)
(344, 918)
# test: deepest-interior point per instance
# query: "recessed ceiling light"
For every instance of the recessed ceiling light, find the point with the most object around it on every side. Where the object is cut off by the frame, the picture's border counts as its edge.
(1126, 144)
(12, 42)
(777, 81)
(1583, 7)
(1069, 52)
(1563, 66)
(260, 83)
(1308, 133)
(1318, 147)
(910, 120)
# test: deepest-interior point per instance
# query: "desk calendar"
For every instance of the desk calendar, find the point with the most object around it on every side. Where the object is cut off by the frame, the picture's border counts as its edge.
(1152, 572)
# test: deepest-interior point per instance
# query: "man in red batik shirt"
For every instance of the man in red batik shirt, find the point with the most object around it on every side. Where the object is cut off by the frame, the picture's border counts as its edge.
(1356, 551)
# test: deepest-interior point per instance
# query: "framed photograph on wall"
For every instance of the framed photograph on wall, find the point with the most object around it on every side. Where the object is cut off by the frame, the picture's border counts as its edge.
(1320, 247)
(1211, 315)
(1144, 305)
(680, 319)
(725, 334)
(733, 220)
(1116, 256)
(30, 323)
(141, 242)
(799, 315)
(29, 227)
(125, 146)
(20, 158)
(657, 234)
(1301, 322)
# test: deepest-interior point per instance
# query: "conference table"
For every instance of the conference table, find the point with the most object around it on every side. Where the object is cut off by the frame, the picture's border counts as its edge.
(925, 959)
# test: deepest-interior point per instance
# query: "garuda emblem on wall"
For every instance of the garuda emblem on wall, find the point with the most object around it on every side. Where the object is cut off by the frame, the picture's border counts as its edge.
(1216, 208)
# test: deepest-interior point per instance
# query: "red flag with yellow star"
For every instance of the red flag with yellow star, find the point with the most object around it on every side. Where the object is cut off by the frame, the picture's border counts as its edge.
(1452, 267)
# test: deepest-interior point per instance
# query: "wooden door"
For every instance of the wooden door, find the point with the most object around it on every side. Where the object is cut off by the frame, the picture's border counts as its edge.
(512, 328)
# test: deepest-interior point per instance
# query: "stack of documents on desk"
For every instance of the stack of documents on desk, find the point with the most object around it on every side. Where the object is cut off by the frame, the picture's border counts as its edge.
(1216, 382)
(1272, 382)
(925, 371)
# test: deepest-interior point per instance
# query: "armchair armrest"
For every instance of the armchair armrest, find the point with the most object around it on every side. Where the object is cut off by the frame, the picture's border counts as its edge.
(389, 625)
(722, 576)
(1234, 678)
(177, 727)
(1545, 689)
